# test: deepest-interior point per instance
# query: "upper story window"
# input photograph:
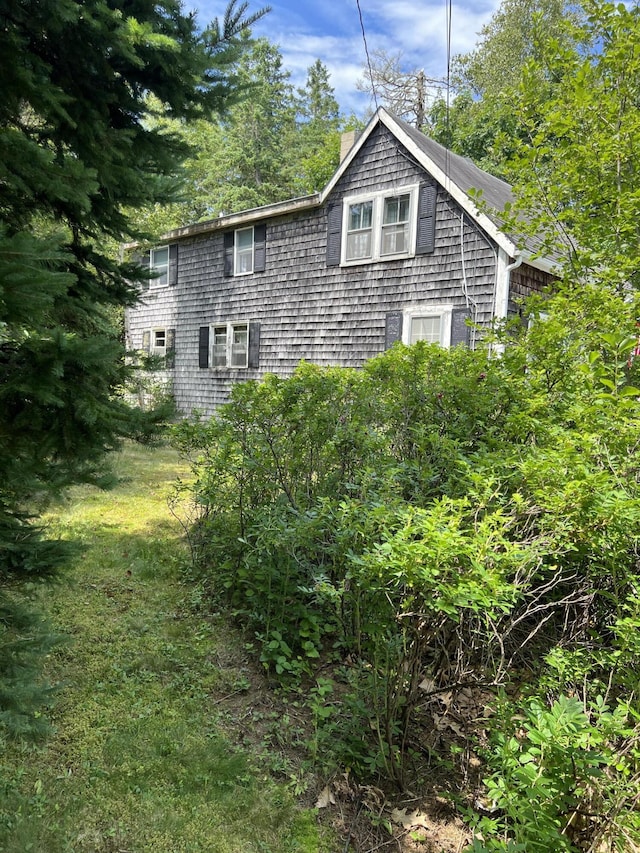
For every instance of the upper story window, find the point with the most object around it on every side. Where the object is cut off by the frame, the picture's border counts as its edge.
(245, 250)
(382, 225)
(395, 225)
(163, 264)
(360, 231)
(243, 254)
(159, 263)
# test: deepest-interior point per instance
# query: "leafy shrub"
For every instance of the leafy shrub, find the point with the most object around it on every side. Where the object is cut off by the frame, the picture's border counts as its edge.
(564, 779)
(438, 513)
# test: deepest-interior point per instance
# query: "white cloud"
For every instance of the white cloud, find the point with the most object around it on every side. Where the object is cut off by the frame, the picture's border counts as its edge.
(306, 30)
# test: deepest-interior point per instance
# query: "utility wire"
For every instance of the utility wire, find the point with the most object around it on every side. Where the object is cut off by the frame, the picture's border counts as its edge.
(366, 50)
(448, 110)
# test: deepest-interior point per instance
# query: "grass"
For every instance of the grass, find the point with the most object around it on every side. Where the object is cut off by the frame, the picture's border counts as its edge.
(138, 759)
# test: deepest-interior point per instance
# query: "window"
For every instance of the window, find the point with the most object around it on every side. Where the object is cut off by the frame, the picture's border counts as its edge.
(245, 250)
(159, 263)
(243, 254)
(380, 226)
(425, 329)
(239, 345)
(219, 346)
(430, 323)
(360, 231)
(158, 342)
(395, 225)
(229, 345)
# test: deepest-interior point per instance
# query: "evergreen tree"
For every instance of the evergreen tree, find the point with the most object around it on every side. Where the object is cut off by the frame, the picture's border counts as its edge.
(317, 145)
(77, 150)
(241, 161)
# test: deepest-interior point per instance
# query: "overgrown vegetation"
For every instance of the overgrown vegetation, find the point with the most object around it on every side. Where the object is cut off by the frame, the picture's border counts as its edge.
(77, 154)
(438, 520)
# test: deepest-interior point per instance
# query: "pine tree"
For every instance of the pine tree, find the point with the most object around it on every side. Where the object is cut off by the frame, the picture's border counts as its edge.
(77, 150)
(317, 145)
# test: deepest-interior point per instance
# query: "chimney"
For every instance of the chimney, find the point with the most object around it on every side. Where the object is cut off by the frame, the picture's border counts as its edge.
(347, 141)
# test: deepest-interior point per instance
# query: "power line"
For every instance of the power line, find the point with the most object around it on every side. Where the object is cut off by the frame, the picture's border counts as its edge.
(448, 109)
(366, 50)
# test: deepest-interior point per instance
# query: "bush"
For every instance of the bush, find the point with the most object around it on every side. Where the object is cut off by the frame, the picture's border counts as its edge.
(438, 514)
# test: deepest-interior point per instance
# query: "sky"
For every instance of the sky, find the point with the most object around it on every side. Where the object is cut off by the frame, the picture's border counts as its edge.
(330, 30)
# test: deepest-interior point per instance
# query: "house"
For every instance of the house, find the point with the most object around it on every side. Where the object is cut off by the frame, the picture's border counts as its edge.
(394, 248)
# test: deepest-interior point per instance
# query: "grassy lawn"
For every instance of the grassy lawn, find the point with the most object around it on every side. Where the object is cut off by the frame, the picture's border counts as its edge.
(137, 760)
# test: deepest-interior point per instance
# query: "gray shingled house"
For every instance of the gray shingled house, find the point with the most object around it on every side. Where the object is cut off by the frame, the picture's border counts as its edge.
(394, 248)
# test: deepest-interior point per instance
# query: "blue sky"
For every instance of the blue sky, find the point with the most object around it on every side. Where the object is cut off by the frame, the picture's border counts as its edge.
(329, 30)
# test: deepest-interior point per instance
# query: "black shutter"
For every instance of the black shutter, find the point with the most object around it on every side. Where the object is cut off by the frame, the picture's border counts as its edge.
(392, 328)
(259, 247)
(146, 340)
(426, 237)
(228, 253)
(460, 331)
(144, 260)
(170, 349)
(173, 265)
(334, 234)
(203, 347)
(253, 359)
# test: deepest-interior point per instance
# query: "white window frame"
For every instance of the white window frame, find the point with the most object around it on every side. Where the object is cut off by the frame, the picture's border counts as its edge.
(163, 279)
(414, 312)
(377, 200)
(230, 330)
(238, 253)
(154, 347)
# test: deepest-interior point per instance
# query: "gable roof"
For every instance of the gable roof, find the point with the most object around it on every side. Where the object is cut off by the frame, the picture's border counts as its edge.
(456, 174)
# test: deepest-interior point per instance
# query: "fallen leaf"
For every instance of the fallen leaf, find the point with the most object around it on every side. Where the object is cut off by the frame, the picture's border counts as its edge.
(326, 798)
(444, 722)
(407, 821)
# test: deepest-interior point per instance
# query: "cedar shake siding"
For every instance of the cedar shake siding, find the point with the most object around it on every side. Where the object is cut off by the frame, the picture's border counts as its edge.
(300, 302)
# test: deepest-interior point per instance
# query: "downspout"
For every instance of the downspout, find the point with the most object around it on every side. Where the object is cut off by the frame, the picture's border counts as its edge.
(503, 288)
(471, 305)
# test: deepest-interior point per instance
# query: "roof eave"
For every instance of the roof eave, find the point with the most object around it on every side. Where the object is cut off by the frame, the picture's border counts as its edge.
(245, 217)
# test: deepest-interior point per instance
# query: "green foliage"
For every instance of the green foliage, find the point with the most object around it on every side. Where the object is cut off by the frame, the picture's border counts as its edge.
(236, 160)
(24, 639)
(138, 756)
(564, 774)
(576, 105)
(441, 517)
(77, 152)
(480, 122)
(400, 519)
